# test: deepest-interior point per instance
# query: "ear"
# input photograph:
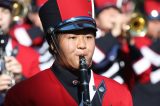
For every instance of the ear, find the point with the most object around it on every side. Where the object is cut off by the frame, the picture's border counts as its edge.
(53, 48)
(97, 22)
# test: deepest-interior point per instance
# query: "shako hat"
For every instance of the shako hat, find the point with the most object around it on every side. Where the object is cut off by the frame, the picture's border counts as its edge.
(6, 4)
(152, 9)
(104, 4)
(67, 15)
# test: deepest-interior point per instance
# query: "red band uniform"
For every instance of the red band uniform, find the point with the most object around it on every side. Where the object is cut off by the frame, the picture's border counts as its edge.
(57, 86)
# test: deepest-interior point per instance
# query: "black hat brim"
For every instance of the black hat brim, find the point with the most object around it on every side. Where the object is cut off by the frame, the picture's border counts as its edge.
(76, 23)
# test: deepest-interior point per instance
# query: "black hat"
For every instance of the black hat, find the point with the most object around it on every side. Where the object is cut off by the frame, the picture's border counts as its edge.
(6, 4)
(67, 15)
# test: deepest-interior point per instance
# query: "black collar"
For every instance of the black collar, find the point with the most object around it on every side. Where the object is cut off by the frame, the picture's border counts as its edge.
(69, 80)
(64, 75)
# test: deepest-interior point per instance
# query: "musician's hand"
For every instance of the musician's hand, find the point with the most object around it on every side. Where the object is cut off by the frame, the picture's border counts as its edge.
(5, 82)
(120, 23)
(14, 67)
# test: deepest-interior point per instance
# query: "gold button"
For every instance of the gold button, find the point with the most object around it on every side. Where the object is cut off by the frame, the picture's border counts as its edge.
(89, 12)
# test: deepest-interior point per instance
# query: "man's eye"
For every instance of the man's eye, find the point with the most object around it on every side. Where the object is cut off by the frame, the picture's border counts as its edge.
(5, 11)
(72, 37)
(89, 37)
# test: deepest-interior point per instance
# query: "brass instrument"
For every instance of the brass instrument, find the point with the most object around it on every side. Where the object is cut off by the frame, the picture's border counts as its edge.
(20, 9)
(137, 25)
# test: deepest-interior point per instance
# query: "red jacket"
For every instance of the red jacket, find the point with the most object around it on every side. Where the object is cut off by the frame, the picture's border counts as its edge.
(27, 35)
(44, 89)
(143, 74)
(29, 59)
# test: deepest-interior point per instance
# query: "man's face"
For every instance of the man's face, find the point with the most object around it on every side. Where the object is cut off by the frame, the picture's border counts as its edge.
(106, 19)
(5, 19)
(74, 45)
(154, 28)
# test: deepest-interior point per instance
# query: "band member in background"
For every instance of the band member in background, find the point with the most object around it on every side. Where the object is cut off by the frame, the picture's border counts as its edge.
(113, 61)
(46, 59)
(20, 24)
(17, 62)
(147, 65)
(70, 32)
(29, 32)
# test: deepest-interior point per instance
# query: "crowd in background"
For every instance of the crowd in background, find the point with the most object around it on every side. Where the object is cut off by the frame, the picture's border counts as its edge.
(127, 46)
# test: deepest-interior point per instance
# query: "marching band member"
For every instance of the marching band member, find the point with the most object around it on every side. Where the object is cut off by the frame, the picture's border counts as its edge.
(113, 61)
(147, 65)
(70, 31)
(17, 62)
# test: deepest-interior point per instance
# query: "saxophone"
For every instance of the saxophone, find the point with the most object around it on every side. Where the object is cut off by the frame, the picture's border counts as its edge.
(84, 81)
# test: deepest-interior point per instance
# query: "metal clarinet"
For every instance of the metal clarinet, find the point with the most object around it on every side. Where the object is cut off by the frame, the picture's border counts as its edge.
(3, 69)
(84, 81)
